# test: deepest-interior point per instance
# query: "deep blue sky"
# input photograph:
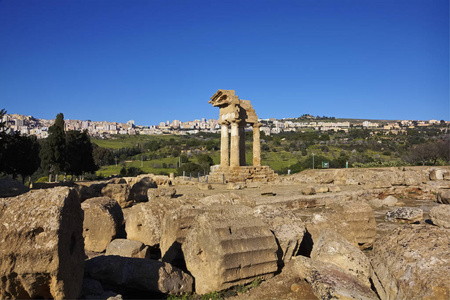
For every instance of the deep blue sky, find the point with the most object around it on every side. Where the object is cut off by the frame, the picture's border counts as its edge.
(153, 61)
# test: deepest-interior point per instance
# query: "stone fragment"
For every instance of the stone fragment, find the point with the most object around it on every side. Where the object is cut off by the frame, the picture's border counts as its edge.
(440, 215)
(404, 215)
(309, 191)
(390, 201)
(128, 248)
(331, 282)
(321, 189)
(437, 174)
(267, 191)
(354, 220)
(146, 275)
(162, 192)
(204, 186)
(139, 187)
(334, 189)
(412, 262)
(11, 188)
(287, 227)
(331, 247)
(443, 197)
(228, 199)
(376, 203)
(235, 186)
(103, 221)
(86, 191)
(41, 245)
(119, 192)
(162, 180)
(174, 227)
(225, 248)
(143, 222)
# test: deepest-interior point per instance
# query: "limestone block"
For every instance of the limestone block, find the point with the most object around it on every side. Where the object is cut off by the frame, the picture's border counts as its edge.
(140, 274)
(174, 228)
(440, 215)
(412, 263)
(103, 221)
(226, 248)
(437, 174)
(139, 188)
(119, 192)
(143, 222)
(287, 227)
(375, 203)
(235, 186)
(162, 192)
(309, 191)
(354, 220)
(334, 188)
(331, 247)
(162, 180)
(228, 199)
(11, 188)
(390, 201)
(127, 248)
(331, 282)
(204, 186)
(85, 192)
(443, 197)
(321, 189)
(404, 215)
(41, 245)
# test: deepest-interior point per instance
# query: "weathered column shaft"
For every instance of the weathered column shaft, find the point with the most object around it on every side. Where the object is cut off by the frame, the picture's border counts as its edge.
(224, 147)
(256, 145)
(242, 161)
(234, 151)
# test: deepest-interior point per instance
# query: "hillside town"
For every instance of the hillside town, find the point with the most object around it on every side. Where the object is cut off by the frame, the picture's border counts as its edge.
(28, 125)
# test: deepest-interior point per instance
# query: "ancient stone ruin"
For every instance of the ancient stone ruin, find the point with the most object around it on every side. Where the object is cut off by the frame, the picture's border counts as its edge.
(236, 114)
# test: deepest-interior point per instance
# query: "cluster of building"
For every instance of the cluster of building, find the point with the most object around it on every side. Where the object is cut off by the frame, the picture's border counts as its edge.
(29, 125)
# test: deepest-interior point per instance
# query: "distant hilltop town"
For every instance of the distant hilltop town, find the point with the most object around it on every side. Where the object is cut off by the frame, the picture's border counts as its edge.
(29, 125)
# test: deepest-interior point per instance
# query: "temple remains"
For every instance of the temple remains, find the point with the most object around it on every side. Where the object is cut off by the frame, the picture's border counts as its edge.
(234, 115)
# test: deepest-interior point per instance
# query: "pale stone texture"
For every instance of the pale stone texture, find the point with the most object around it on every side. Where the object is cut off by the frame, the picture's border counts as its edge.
(128, 248)
(139, 274)
(331, 247)
(331, 282)
(413, 262)
(103, 221)
(225, 248)
(41, 245)
(143, 222)
(443, 196)
(119, 192)
(161, 193)
(437, 174)
(139, 187)
(287, 227)
(440, 215)
(354, 220)
(404, 215)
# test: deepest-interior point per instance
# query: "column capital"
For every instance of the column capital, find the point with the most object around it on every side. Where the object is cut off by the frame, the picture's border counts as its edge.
(224, 123)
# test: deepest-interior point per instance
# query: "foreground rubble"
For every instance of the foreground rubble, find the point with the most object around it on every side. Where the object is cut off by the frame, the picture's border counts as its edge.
(323, 234)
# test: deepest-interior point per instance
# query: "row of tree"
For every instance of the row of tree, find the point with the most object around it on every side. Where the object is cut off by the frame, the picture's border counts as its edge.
(62, 152)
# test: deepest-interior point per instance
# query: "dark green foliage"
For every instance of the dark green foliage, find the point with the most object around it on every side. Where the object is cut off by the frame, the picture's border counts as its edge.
(19, 155)
(79, 156)
(53, 151)
(190, 168)
(130, 172)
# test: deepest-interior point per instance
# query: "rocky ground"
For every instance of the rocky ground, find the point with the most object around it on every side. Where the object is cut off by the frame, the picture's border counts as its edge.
(319, 234)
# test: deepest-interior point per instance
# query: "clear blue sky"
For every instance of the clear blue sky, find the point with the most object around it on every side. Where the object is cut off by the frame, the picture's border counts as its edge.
(158, 60)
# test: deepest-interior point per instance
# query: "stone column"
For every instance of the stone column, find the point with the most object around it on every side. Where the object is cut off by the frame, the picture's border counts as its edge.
(234, 149)
(256, 145)
(242, 161)
(224, 146)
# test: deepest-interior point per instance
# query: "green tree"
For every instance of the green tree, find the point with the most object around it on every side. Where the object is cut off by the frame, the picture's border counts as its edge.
(79, 153)
(19, 155)
(53, 158)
